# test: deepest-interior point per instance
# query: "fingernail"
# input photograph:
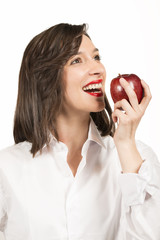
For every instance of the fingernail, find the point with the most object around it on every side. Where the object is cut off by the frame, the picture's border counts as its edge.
(122, 80)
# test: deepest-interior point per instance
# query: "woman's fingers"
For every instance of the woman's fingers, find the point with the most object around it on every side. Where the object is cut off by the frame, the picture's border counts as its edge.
(147, 96)
(118, 114)
(125, 106)
(133, 97)
(125, 113)
(132, 110)
(130, 92)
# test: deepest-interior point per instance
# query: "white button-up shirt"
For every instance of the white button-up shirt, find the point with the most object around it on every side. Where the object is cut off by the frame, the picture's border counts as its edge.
(40, 199)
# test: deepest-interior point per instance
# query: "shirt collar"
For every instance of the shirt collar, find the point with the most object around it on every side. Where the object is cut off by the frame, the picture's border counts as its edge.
(94, 134)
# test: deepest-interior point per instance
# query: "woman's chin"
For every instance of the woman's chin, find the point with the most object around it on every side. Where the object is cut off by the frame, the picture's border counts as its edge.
(99, 108)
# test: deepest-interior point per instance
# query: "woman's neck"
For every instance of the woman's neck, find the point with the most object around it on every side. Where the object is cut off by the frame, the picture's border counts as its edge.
(73, 130)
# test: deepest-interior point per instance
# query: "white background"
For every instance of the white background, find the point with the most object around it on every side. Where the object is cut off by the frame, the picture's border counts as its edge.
(127, 32)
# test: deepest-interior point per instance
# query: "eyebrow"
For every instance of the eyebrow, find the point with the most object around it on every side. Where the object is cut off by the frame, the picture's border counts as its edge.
(95, 50)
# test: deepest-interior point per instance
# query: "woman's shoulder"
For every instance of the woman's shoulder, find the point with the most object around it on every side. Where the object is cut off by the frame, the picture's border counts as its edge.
(16, 153)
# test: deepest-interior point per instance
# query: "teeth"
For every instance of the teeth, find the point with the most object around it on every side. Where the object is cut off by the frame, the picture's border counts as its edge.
(93, 86)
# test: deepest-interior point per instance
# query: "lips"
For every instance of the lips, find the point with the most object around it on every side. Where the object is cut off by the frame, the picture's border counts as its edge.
(96, 94)
(94, 88)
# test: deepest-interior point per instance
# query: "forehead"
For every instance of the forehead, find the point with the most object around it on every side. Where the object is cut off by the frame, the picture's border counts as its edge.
(86, 44)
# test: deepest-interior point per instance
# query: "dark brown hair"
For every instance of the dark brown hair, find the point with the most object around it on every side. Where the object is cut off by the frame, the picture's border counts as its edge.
(40, 90)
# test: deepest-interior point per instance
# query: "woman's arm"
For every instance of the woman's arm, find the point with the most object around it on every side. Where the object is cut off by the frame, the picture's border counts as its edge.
(140, 180)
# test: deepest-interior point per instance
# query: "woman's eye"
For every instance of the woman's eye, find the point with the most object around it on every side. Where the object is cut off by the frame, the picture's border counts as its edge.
(97, 58)
(77, 60)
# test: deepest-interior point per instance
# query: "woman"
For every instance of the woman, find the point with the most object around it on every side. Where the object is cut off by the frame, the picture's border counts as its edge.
(71, 174)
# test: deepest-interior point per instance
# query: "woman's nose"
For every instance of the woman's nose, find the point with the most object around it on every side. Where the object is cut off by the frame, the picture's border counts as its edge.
(96, 68)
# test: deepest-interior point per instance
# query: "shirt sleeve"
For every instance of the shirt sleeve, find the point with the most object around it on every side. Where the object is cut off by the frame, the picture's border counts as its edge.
(141, 199)
(3, 215)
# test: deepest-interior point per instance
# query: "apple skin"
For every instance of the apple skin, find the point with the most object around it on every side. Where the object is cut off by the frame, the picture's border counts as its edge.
(117, 91)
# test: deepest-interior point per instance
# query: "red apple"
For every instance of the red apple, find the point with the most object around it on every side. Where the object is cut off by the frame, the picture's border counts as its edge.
(117, 91)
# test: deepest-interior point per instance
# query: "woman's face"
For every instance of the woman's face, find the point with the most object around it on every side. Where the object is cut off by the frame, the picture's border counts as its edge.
(84, 80)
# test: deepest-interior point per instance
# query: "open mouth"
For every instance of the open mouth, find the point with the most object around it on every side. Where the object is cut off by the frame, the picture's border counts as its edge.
(94, 89)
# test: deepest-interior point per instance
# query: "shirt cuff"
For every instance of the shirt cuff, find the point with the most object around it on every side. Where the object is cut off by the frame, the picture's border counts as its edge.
(134, 186)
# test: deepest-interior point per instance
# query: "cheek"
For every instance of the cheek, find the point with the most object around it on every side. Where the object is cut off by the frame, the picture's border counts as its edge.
(104, 74)
(72, 81)
(71, 90)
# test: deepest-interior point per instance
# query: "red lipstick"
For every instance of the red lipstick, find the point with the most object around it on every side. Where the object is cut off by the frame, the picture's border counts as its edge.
(99, 94)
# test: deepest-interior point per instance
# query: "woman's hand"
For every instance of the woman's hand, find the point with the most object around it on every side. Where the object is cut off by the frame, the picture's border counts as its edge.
(127, 123)
(128, 119)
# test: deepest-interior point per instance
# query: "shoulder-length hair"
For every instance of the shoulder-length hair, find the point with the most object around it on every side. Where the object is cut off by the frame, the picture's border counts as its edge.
(40, 90)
